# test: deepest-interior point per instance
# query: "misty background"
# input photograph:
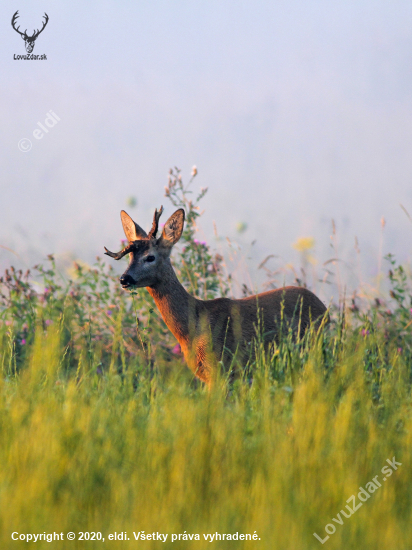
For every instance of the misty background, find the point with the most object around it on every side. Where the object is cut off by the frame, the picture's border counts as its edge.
(295, 113)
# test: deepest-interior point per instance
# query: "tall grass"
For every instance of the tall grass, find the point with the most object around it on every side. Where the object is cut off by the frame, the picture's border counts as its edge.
(103, 428)
(110, 453)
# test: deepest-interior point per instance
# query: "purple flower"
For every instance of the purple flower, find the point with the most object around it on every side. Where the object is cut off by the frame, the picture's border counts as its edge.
(365, 332)
(109, 312)
(399, 350)
(23, 342)
(48, 322)
(177, 350)
(195, 241)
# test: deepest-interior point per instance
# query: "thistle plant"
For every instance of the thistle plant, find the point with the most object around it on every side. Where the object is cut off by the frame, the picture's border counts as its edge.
(199, 269)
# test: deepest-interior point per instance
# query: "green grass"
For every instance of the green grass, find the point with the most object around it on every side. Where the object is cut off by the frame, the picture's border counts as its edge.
(140, 451)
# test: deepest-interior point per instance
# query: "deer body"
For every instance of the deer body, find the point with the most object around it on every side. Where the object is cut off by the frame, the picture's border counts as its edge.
(209, 331)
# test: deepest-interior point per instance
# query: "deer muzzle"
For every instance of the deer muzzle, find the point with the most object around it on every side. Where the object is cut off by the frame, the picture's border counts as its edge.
(126, 281)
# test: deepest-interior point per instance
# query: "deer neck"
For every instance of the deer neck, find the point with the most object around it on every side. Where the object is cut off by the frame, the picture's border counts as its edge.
(174, 303)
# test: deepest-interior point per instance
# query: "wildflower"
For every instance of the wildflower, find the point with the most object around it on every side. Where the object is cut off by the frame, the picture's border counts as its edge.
(241, 227)
(399, 350)
(109, 312)
(131, 201)
(48, 322)
(177, 350)
(194, 171)
(365, 332)
(23, 341)
(304, 243)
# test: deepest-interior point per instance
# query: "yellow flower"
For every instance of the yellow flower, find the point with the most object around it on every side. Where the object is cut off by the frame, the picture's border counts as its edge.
(304, 243)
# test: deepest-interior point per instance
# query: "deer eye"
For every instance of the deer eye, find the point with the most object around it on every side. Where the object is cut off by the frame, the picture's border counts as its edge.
(150, 259)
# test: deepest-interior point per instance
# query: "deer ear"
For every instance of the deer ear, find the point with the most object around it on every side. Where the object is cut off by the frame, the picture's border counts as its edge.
(173, 229)
(132, 231)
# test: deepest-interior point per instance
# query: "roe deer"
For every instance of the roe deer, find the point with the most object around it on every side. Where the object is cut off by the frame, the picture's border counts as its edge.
(208, 331)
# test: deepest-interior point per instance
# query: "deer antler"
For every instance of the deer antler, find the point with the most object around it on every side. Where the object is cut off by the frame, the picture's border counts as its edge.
(36, 34)
(13, 22)
(119, 255)
(135, 244)
(155, 226)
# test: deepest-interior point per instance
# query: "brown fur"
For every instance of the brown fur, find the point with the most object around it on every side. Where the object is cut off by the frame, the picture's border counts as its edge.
(213, 330)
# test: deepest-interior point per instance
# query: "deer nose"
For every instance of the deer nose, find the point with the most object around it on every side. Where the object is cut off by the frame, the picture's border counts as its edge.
(126, 280)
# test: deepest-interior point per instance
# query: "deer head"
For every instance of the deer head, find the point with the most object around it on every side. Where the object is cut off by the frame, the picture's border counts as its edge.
(149, 255)
(28, 40)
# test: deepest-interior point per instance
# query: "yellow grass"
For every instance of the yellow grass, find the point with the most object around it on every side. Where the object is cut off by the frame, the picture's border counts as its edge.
(113, 454)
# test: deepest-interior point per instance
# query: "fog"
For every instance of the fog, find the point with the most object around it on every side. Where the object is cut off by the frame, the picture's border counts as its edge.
(295, 113)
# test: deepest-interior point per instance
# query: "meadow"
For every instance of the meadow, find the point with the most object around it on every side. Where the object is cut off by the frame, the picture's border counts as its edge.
(104, 430)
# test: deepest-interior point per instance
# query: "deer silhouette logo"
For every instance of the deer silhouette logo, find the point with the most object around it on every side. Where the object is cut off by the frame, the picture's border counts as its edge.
(28, 40)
